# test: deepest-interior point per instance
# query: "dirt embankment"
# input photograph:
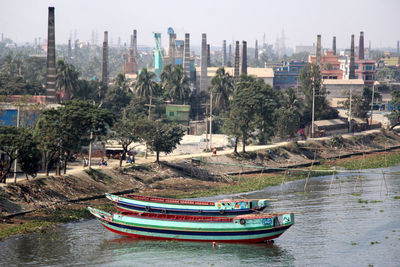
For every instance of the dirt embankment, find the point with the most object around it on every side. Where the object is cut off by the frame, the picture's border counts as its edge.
(179, 177)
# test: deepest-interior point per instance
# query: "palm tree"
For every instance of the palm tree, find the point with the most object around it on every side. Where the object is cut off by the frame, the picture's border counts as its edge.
(222, 88)
(67, 79)
(145, 86)
(176, 83)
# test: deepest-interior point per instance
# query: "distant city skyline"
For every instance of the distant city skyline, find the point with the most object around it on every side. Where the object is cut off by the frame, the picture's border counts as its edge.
(301, 21)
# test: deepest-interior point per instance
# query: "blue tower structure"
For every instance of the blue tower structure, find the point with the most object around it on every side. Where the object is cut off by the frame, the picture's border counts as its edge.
(288, 75)
(158, 55)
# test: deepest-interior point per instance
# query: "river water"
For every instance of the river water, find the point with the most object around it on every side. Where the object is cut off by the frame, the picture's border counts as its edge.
(352, 225)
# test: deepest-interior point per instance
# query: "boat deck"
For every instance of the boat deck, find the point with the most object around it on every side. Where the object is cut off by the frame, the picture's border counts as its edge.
(171, 200)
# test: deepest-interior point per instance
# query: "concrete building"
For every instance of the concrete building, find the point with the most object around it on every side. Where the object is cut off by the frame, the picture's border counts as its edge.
(339, 90)
(305, 48)
(267, 74)
(288, 75)
(330, 65)
(391, 59)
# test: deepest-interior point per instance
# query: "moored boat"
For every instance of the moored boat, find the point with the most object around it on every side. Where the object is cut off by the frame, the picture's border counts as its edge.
(251, 228)
(226, 207)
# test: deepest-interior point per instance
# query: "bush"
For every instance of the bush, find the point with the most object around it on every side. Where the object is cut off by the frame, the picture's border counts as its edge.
(337, 141)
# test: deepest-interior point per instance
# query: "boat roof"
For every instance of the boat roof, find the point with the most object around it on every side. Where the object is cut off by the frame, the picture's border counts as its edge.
(171, 200)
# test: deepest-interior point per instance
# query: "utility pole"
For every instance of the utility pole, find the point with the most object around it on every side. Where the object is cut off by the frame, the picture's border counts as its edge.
(211, 99)
(350, 112)
(372, 104)
(16, 159)
(313, 108)
(149, 118)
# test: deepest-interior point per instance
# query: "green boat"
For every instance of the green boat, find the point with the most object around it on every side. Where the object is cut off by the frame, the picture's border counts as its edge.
(251, 228)
(225, 207)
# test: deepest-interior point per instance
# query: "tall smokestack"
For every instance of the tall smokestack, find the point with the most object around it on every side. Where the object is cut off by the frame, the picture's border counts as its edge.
(172, 48)
(203, 63)
(398, 47)
(135, 53)
(224, 53)
(352, 71)
(104, 76)
(334, 45)
(51, 74)
(69, 52)
(208, 56)
(186, 55)
(230, 54)
(361, 46)
(237, 63)
(243, 68)
(318, 54)
(256, 51)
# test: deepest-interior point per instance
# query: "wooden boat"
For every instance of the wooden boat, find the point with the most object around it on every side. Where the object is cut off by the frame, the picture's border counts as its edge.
(251, 228)
(227, 207)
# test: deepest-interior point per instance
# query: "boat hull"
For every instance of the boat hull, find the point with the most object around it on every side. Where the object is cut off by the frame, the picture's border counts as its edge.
(210, 237)
(241, 229)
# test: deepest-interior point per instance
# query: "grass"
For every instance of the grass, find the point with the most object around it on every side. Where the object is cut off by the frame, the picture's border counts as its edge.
(28, 227)
(376, 161)
(98, 176)
(51, 217)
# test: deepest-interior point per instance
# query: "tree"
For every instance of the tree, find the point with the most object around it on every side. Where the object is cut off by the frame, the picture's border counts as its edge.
(222, 89)
(394, 116)
(361, 104)
(310, 77)
(145, 86)
(163, 137)
(118, 95)
(48, 135)
(16, 143)
(175, 83)
(231, 128)
(127, 131)
(287, 117)
(67, 79)
(63, 131)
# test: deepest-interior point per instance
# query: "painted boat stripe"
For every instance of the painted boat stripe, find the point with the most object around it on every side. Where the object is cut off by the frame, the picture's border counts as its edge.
(203, 233)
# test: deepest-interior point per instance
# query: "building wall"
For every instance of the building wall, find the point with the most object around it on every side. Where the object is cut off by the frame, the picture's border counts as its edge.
(330, 65)
(287, 75)
(178, 112)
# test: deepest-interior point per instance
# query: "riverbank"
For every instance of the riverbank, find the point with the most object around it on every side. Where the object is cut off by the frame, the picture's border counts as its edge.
(61, 199)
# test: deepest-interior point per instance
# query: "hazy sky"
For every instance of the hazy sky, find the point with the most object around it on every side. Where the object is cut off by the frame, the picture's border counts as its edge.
(301, 20)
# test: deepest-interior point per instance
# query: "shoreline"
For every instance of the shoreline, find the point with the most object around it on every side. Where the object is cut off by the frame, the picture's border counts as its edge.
(46, 201)
(45, 218)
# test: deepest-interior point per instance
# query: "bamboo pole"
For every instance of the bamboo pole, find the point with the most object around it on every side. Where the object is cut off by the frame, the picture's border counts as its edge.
(333, 176)
(309, 172)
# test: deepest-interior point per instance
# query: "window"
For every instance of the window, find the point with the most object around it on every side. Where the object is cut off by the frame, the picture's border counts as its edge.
(171, 113)
(356, 66)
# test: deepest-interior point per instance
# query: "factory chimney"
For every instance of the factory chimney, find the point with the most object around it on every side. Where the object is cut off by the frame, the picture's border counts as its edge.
(104, 76)
(334, 45)
(203, 63)
(318, 54)
(352, 74)
(256, 51)
(172, 48)
(51, 74)
(208, 56)
(69, 52)
(243, 68)
(236, 69)
(224, 53)
(230, 54)
(398, 47)
(361, 46)
(135, 53)
(186, 56)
